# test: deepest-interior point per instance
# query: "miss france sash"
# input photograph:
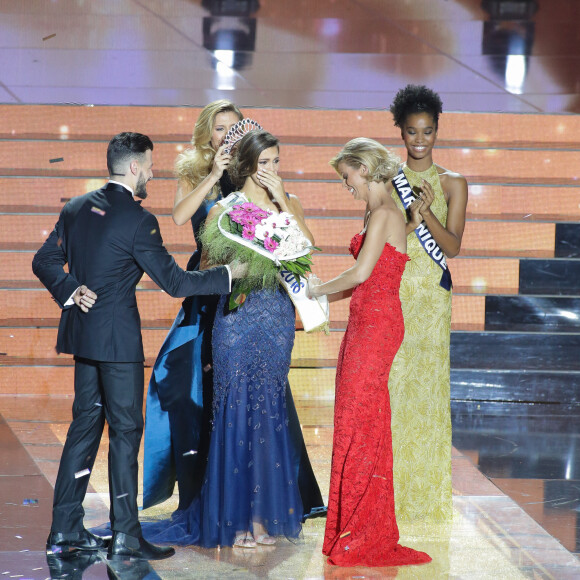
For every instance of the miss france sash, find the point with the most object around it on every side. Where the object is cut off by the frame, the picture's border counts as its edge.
(405, 193)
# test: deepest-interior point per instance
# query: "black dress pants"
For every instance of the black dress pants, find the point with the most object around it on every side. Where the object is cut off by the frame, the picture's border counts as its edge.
(111, 391)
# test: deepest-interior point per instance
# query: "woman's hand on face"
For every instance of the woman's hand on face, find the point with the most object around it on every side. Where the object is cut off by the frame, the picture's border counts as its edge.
(427, 197)
(312, 283)
(220, 162)
(274, 184)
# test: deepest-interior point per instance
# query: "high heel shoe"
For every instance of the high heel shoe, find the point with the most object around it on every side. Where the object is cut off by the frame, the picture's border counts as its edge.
(244, 540)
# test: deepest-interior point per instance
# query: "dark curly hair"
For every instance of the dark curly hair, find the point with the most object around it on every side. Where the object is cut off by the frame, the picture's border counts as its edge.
(416, 99)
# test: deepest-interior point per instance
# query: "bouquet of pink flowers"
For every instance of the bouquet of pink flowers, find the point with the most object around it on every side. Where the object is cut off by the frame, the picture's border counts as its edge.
(276, 233)
(270, 243)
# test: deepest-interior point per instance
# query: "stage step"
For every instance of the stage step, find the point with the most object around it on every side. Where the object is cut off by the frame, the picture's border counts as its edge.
(532, 313)
(515, 351)
(559, 277)
(158, 309)
(470, 275)
(57, 122)
(486, 202)
(544, 386)
(509, 319)
(39, 342)
(549, 386)
(333, 235)
(87, 159)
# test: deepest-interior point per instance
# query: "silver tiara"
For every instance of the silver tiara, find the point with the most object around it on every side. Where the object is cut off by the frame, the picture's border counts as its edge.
(240, 129)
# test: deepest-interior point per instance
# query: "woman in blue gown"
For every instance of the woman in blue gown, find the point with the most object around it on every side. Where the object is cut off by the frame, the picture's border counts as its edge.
(177, 419)
(255, 481)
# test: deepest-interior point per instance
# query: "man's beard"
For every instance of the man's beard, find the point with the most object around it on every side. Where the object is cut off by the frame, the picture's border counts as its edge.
(141, 188)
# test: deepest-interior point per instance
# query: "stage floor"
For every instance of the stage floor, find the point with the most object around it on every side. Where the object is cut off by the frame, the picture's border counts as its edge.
(491, 536)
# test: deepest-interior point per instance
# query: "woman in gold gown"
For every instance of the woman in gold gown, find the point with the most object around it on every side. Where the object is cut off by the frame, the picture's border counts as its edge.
(419, 382)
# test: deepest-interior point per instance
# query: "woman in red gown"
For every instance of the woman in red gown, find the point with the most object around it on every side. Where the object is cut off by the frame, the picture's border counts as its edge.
(361, 529)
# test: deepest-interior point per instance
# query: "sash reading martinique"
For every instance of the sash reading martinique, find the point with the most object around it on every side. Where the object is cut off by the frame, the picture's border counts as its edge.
(405, 193)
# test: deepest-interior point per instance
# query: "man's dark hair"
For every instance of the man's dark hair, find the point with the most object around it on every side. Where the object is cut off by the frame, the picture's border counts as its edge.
(124, 147)
(416, 99)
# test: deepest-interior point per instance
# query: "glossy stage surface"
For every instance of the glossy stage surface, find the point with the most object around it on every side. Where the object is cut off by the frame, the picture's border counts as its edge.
(481, 55)
(316, 73)
(491, 537)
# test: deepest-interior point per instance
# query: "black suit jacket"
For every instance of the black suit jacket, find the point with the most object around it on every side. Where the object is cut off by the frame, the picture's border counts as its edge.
(108, 241)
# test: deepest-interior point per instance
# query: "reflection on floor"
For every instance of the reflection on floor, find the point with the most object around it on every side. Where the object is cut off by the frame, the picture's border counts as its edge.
(492, 535)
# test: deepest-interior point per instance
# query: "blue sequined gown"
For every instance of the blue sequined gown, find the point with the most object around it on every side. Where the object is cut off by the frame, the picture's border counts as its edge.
(179, 403)
(253, 467)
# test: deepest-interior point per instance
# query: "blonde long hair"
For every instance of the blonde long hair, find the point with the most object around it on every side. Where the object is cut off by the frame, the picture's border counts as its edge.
(381, 163)
(193, 165)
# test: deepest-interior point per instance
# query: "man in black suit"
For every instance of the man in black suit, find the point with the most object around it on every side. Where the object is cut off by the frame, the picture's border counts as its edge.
(108, 240)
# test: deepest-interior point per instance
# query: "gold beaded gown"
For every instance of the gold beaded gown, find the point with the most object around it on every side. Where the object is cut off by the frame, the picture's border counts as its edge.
(419, 382)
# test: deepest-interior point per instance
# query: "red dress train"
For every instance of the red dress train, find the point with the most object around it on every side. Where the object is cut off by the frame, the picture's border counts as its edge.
(361, 529)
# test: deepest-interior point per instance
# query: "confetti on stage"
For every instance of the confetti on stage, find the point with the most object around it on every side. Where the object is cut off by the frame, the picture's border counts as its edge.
(49, 37)
(82, 473)
(56, 160)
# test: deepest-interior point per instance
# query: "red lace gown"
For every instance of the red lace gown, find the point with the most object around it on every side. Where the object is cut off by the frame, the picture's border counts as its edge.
(361, 528)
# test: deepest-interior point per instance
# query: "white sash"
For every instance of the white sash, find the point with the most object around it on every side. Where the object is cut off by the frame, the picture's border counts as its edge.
(313, 312)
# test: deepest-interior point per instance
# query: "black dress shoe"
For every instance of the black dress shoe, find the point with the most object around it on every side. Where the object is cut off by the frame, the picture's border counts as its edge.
(125, 546)
(67, 544)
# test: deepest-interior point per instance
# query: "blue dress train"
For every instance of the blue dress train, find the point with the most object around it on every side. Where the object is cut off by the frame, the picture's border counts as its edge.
(179, 397)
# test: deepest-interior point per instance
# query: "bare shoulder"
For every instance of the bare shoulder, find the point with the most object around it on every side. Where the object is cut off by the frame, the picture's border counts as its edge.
(450, 178)
(387, 224)
(386, 213)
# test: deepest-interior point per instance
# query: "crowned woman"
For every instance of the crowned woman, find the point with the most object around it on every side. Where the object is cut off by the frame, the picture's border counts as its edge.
(258, 482)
